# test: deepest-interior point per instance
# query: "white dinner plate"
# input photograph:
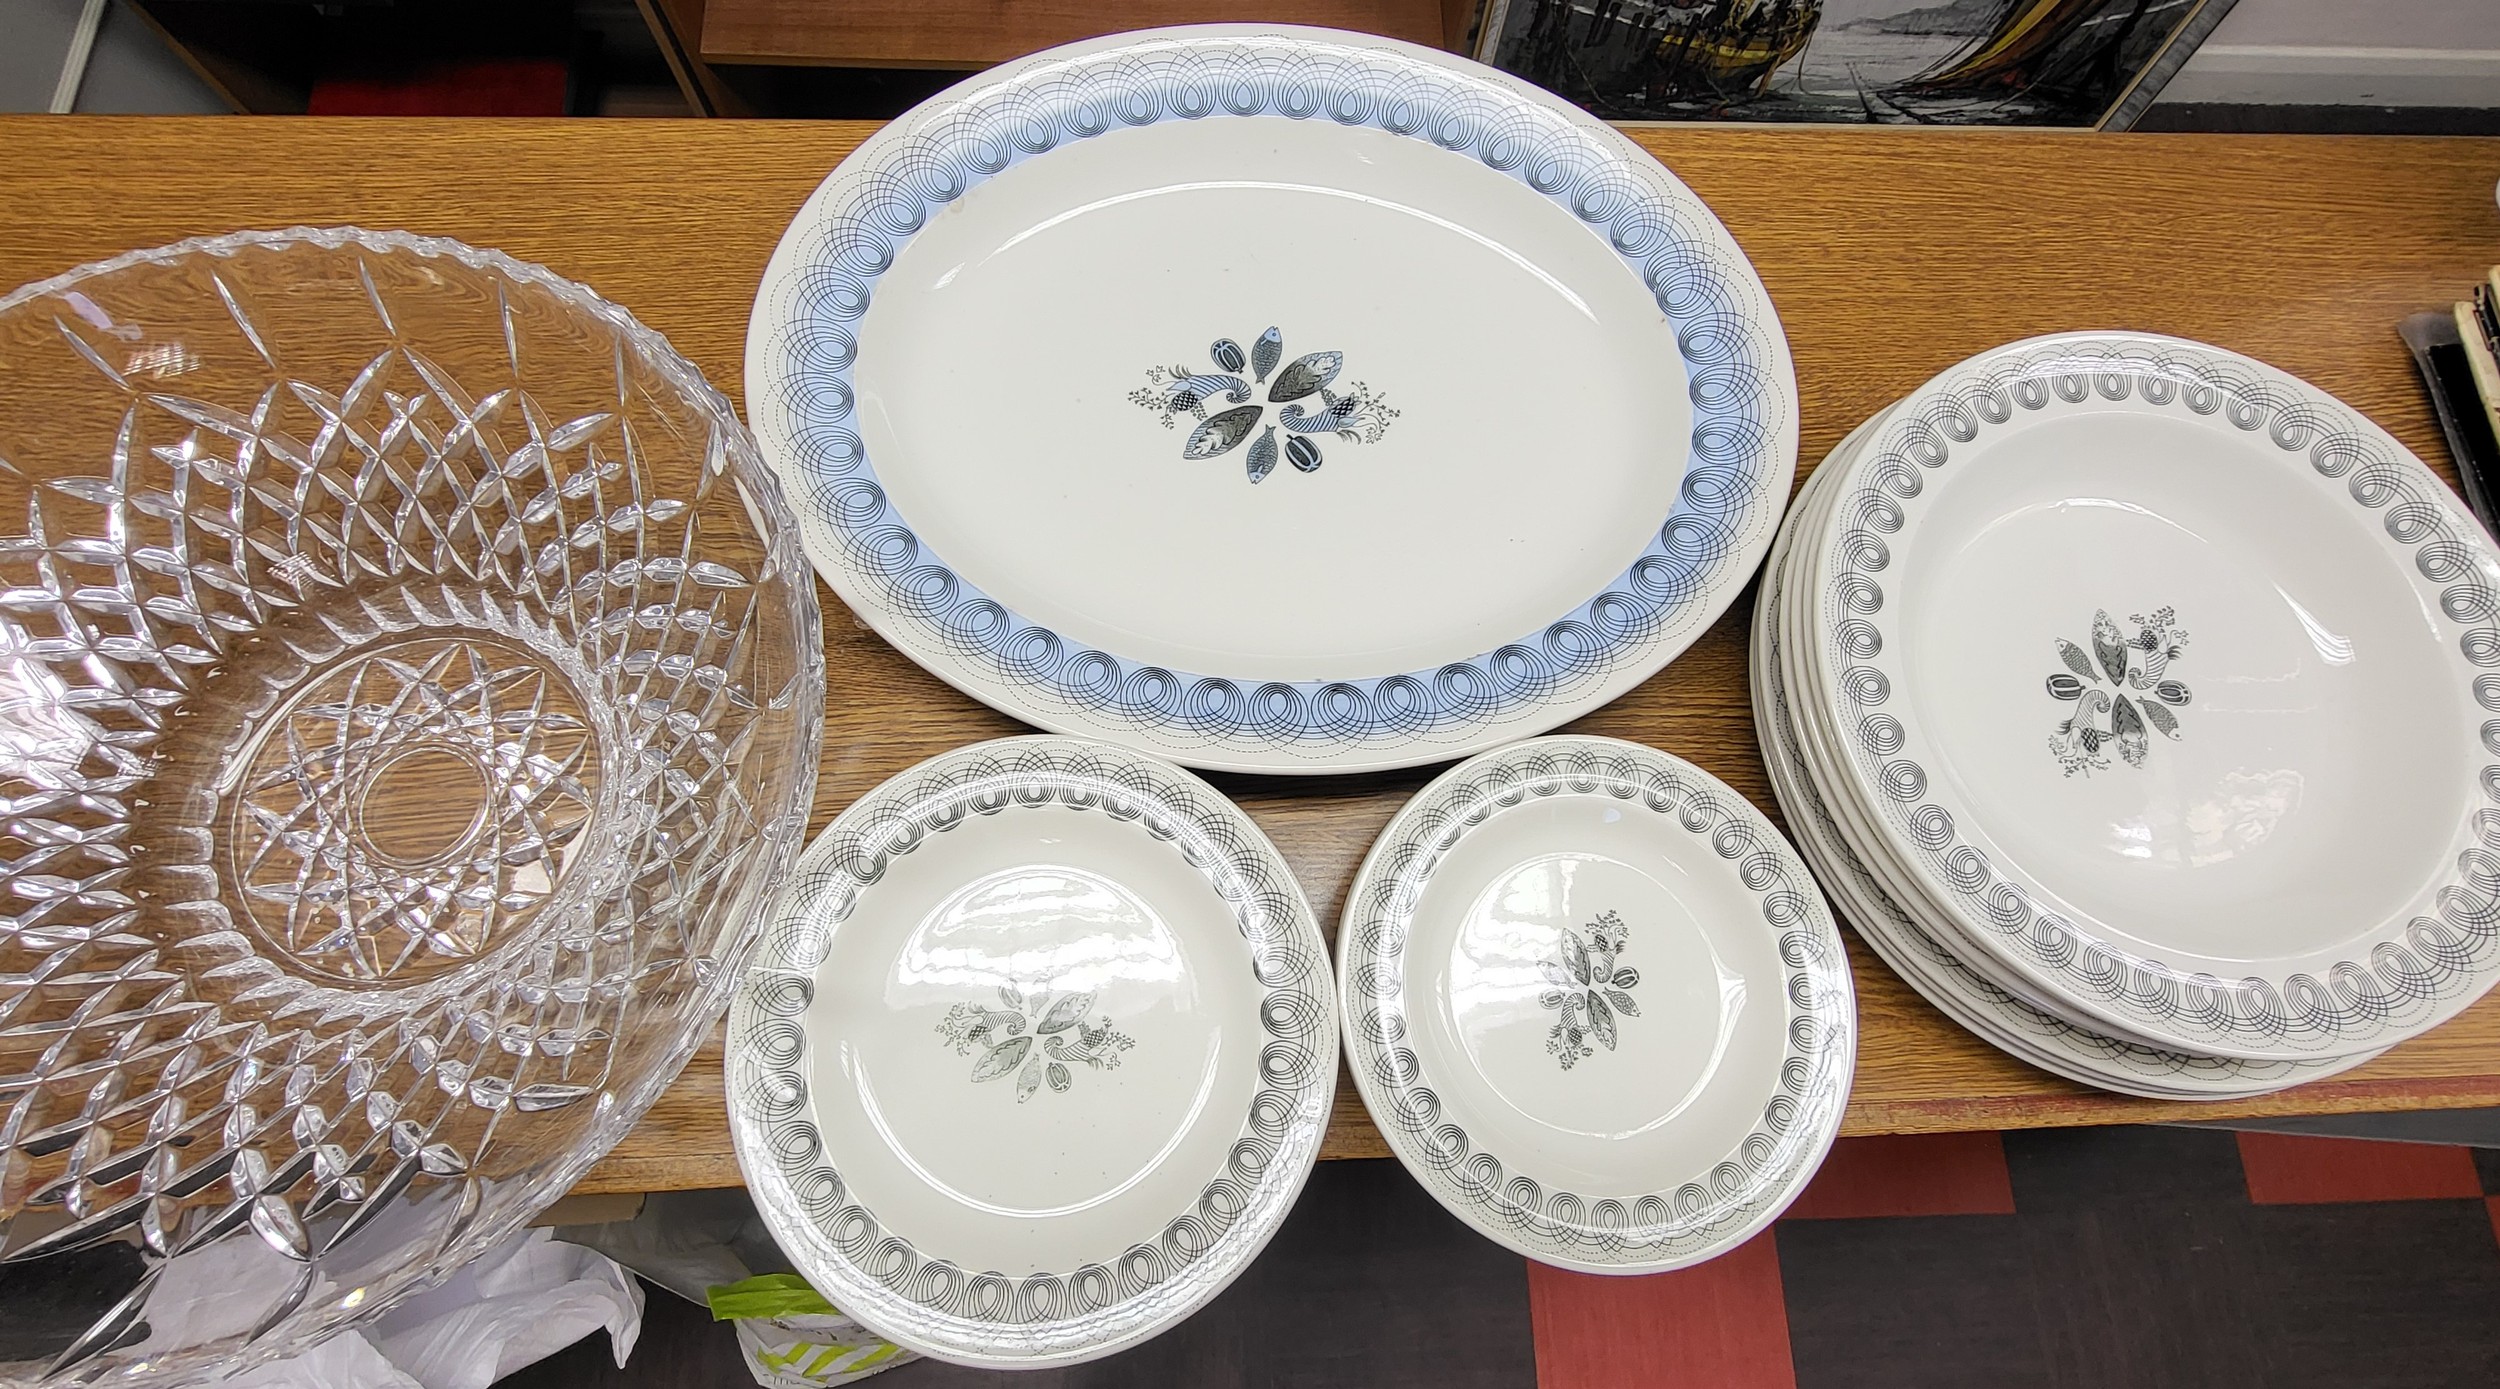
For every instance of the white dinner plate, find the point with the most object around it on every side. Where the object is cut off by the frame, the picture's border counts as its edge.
(1824, 753)
(2169, 676)
(1597, 1004)
(1035, 1055)
(1272, 399)
(1907, 944)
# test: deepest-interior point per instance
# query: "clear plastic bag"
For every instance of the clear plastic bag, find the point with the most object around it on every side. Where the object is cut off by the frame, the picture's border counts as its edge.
(518, 1303)
(711, 1247)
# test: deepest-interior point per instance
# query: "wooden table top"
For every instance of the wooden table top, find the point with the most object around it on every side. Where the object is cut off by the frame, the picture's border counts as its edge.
(1890, 252)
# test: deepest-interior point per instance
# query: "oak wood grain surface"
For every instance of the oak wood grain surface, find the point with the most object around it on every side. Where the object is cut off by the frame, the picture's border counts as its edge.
(977, 33)
(1890, 253)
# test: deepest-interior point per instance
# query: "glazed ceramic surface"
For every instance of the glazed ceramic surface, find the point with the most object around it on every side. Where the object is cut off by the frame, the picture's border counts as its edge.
(1597, 1004)
(1913, 949)
(1036, 1054)
(2230, 796)
(1273, 399)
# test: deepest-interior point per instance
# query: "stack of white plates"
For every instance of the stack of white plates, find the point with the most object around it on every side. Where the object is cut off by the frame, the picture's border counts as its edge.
(1597, 1005)
(1035, 1054)
(2141, 705)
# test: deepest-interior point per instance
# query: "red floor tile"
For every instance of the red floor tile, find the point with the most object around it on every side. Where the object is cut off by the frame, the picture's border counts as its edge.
(2296, 1170)
(1910, 1174)
(1720, 1325)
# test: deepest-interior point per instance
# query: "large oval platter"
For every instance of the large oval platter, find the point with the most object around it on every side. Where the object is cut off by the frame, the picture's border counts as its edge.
(1272, 399)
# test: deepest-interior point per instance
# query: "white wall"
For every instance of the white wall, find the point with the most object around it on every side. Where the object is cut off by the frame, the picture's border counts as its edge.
(2348, 52)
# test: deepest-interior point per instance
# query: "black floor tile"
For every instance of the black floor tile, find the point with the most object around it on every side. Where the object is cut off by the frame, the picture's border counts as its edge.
(2487, 1166)
(1921, 1302)
(2396, 1293)
(2093, 1169)
(2144, 1293)
(2136, 1259)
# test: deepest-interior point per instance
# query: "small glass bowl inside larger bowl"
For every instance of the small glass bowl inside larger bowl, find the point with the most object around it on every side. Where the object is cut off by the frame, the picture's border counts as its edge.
(410, 687)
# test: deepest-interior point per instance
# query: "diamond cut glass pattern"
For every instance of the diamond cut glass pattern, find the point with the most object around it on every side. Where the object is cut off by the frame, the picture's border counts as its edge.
(410, 684)
(410, 807)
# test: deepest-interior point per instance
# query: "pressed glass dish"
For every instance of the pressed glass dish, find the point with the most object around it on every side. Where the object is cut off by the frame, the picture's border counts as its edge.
(410, 686)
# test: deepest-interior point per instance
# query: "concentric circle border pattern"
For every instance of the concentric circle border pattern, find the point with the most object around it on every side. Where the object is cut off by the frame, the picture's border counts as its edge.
(1740, 461)
(1744, 1189)
(877, 1273)
(1827, 848)
(2431, 959)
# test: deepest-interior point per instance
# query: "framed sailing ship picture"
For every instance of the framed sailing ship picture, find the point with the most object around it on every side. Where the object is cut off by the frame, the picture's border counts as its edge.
(1934, 62)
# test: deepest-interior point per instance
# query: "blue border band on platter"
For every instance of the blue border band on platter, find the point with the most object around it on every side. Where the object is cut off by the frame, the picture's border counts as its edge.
(1723, 333)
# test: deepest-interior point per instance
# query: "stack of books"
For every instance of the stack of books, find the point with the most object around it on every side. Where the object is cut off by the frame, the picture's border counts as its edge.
(2459, 354)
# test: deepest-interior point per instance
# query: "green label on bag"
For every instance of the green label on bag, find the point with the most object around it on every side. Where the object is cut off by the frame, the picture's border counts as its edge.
(767, 1295)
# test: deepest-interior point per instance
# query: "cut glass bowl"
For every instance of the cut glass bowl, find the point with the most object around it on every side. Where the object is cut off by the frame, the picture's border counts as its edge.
(410, 688)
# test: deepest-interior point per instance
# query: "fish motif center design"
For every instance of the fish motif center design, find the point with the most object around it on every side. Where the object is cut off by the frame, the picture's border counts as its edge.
(1309, 407)
(1589, 987)
(1039, 1038)
(2118, 693)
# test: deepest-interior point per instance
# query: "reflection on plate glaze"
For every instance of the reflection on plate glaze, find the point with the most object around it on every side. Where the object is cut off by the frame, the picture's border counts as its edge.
(1588, 989)
(2128, 663)
(1737, 457)
(1491, 1174)
(1357, 416)
(1006, 1034)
